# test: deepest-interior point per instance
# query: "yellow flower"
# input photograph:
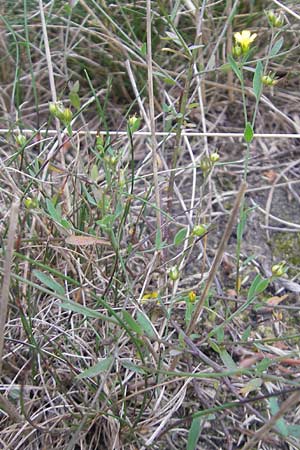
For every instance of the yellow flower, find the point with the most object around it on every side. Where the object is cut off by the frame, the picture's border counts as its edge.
(244, 39)
(149, 296)
(192, 296)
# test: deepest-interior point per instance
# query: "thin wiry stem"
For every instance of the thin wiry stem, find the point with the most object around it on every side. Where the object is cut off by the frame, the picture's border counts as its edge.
(152, 115)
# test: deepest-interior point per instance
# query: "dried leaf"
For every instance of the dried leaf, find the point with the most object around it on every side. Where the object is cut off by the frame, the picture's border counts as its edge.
(250, 361)
(271, 175)
(82, 241)
(273, 301)
(231, 292)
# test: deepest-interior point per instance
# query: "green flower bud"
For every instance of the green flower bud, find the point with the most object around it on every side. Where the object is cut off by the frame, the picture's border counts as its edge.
(199, 230)
(67, 116)
(122, 179)
(57, 110)
(214, 157)
(100, 144)
(134, 123)
(269, 80)
(279, 269)
(205, 165)
(20, 140)
(275, 20)
(30, 203)
(237, 51)
(113, 160)
(53, 108)
(173, 273)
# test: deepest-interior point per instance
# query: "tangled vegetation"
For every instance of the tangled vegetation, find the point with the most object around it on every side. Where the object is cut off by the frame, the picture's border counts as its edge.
(149, 225)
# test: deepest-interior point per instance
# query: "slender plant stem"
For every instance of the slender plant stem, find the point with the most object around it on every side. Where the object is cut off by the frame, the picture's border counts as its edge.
(152, 117)
(183, 104)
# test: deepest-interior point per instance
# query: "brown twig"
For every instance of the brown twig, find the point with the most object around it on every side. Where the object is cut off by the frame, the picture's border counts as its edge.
(8, 407)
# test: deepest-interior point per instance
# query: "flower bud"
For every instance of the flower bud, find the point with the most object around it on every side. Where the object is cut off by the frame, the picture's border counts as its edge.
(192, 296)
(67, 116)
(20, 140)
(214, 157)
(134, 123)
(279, 269)
(56, 109)
(237, 51)
(30, 203)
(205, 165)
(52, 108)
(122, 179)
(269, 80)
(199, 230)
(275, 20)
(100, 144)
(173, 273)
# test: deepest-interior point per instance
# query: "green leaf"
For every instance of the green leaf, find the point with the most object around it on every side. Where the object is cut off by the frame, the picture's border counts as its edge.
(69, 130)
(276, 47)
(180, 236)
(75, 87)
(262, 286)
(189, 308)
(49, 282)
(158, 240)
(68, 9)
(86, 312)
(251, 386)
(53, 212)
(100, 367)
(118, 210)
(251, 292)
(258, 285)
(220, 335)
(146, 324)
(194, 433)
(294, 430)
(133, 367)
(214, 346)
(64, 223)
(280, 423)
(235, 68)
(144, 49)
(225, 67)
(94, 172)
(263, 365)
(89, 198)
(169, 81)
(132, 323)
(257, 83)
(241, 225)
(74, 99)
(227, 360)
(246, 334)
(248, 133)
